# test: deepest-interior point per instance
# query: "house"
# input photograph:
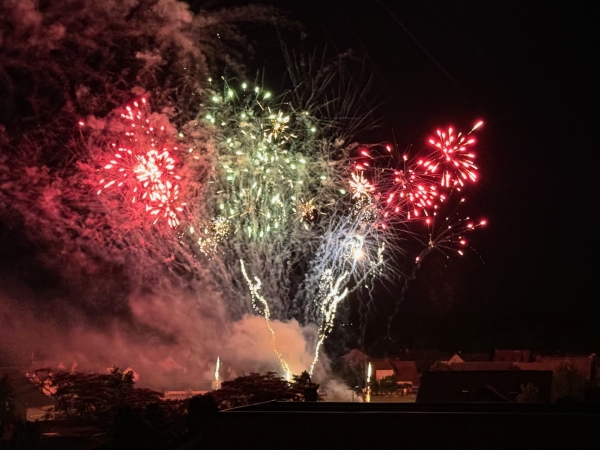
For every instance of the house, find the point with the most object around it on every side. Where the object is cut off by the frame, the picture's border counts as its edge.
(355, 357)
(460, 357)
(483, 386)
(30, 403)
(182, 395)
(405, 372)
(520, 356)
(134, 375)
(381, 369)
(488, 365)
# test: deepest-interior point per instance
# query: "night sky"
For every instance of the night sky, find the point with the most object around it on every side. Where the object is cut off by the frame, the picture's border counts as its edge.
(529, 72)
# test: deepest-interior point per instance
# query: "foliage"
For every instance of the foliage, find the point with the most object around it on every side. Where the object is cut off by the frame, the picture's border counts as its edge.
(201, 410)
(14, 433)
(304, 381)
(6, 403)
(388, 385)
(99, 397)
(148, 430)
(529, 394)
(21, 436)
(353, 375)
(310, 390)
(384, 386)
(255, 388)
(569, 382)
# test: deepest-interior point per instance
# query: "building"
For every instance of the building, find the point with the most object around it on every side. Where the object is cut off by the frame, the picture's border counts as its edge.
(515, 356)
(30, 403)
(489, 365)
(182, 395)
(355, 357)
(405, 372)
(483, 385)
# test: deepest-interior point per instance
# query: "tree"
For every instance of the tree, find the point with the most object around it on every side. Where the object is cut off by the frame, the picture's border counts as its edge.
(14, 433)
(388, 385)
(304, 383)
(352, 374)
(6, 403)
(255, 388)
(569, 382)
(529, 394)
(99, 397)
(201, 410)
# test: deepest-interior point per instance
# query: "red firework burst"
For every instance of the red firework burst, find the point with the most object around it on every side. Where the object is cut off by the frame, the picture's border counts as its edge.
(141, 168)
(454, 155)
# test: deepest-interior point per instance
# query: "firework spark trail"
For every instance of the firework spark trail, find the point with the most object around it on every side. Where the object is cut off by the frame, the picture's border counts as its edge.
(276, 200)
(443, 235)
(351, 252)
(143, 169)
(217, 367)
(274, 177)
(256, 297)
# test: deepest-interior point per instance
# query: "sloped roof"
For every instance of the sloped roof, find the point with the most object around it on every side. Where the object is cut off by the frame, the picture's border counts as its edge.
(474, 357)
(457, 386)
(354, 356)
(512, 355)
(26, 393)
(405, 371)
(482, 366)
(380, 364)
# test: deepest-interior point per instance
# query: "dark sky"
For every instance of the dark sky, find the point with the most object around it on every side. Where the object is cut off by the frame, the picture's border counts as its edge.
(528, 70)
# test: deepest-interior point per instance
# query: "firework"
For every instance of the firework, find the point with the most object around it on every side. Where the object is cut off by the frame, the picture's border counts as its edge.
(142, 167)
(350, 254)
(454, 157)
(268, 167)
(447, 232)
(217, 367)
(277, 199)
(214, 233)
(266, 313)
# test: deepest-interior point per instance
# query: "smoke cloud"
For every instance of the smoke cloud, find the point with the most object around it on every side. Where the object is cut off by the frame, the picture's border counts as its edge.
(171, 341)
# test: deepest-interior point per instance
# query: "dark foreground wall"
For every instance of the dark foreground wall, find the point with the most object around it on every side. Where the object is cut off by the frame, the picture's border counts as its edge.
(345, 426)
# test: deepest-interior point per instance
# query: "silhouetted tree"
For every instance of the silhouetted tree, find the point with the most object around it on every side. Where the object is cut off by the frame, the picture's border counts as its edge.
(569, 382)
(304, 383)
(255, 388)
(529, 394)
(201, 411)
